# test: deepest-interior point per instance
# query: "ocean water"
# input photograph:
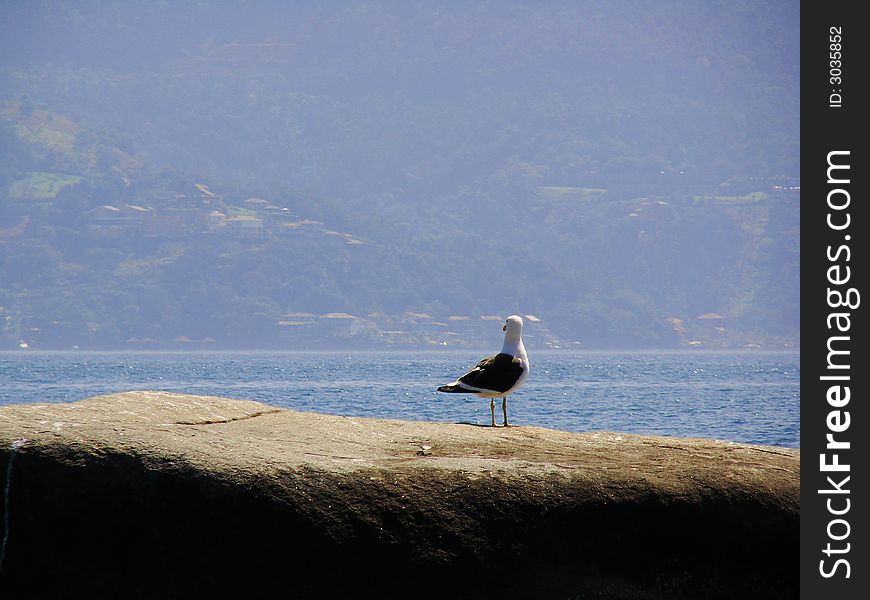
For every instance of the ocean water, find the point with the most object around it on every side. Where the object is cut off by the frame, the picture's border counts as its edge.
(749, 397)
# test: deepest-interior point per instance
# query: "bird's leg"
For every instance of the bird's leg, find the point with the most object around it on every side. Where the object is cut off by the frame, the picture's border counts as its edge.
(492, 410)
(504, 409)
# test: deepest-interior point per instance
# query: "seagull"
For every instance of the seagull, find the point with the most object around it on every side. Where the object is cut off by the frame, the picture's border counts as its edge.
(499, 375)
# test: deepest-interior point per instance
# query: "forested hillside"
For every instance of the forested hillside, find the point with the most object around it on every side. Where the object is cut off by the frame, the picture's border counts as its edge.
(260, 174)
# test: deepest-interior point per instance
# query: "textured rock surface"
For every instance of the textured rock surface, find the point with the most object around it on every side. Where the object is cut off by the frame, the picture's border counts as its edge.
(152, 494)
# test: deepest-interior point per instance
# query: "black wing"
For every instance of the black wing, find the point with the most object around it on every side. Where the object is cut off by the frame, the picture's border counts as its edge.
(497, 373)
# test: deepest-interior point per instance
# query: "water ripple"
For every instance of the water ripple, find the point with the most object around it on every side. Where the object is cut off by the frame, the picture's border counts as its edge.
(746, 397)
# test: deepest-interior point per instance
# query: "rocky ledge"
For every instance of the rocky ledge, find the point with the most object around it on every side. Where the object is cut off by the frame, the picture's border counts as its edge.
(160, 495)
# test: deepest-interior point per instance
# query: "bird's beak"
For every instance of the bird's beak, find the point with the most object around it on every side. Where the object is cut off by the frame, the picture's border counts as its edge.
(504, 327)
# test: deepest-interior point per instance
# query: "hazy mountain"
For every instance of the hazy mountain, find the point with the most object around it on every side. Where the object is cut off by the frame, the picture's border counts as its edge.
(233, 171)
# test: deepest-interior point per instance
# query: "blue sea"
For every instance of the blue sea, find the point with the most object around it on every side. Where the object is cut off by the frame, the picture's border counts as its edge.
(749, 397)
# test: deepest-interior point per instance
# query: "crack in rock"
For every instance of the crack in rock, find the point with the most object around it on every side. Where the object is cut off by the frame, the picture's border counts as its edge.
(230, 420)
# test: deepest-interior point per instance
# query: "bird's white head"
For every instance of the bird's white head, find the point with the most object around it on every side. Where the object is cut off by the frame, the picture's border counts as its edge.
(513, 325)
(513, 337)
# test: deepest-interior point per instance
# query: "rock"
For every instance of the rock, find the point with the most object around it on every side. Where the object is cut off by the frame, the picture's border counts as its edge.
(160, 495)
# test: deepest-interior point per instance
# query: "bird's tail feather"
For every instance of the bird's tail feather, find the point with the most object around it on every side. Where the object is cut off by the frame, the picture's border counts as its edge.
(454, 388)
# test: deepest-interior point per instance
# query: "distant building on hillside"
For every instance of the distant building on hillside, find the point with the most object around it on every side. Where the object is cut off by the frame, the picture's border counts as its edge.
(216, 221)
(256, 204)
(245, 225)
(109, 220)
